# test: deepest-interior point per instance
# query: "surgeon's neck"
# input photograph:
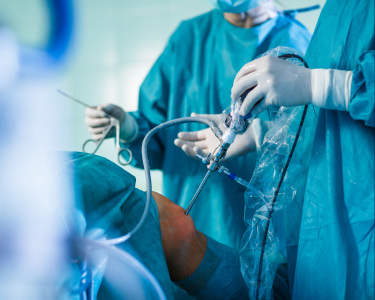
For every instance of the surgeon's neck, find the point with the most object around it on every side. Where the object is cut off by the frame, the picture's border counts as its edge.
(240, 20)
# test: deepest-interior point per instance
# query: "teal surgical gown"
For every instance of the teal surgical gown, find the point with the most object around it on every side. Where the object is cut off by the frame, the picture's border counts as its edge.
(195, 73)
(336, 240)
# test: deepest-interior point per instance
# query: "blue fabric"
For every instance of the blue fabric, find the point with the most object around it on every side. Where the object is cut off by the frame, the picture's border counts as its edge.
(219, 276)
(361, 106)
(336, 245)
(294, 12)
(195, 73)
(108, 205)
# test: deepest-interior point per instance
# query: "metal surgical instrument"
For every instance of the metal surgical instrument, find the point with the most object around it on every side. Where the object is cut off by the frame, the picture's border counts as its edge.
(225, 141)
(212, 167)
(113, 124)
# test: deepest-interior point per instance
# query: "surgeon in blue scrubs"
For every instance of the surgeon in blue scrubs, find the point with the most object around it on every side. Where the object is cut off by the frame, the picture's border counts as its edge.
(195, 73)
(335, 255)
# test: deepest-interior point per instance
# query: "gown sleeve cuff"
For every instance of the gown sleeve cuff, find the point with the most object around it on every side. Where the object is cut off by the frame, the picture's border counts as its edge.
(331, 89)
(129, 130)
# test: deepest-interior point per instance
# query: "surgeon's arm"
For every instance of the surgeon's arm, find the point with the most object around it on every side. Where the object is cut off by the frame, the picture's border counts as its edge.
(351, 91)
(153, 104)
(281, 83)
(152, 111)
(362, 102)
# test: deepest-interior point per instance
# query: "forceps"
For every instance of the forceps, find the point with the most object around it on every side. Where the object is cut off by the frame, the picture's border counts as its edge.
(113, 123)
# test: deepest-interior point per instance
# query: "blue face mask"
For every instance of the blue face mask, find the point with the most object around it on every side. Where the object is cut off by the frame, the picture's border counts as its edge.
(235, 6)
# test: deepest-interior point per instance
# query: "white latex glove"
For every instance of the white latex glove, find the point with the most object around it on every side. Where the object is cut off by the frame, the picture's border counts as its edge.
(276, 82)
(203, 142)
(282, 83)
(97, 122)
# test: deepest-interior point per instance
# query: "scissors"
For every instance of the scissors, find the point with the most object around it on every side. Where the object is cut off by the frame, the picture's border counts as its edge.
(113, 123)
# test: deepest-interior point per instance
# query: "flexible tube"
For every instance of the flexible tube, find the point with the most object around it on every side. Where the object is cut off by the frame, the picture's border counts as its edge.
(124, 256)
(146, 167)
(248, 185)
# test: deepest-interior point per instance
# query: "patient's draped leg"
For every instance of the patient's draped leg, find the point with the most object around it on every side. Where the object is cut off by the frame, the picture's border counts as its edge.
(219, 276)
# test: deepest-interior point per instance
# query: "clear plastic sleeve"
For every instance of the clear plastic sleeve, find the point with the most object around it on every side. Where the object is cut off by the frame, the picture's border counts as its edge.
(258, 269)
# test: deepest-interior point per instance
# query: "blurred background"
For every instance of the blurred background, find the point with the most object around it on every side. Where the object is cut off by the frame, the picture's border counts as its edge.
(115, 43)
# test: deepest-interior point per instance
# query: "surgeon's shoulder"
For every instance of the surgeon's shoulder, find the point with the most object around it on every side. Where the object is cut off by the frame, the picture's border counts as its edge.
(291, 22)
(196, 26)
(291, 33)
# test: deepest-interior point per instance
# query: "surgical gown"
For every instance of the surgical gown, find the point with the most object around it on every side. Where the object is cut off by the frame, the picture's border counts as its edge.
(336, 241)
(195, 73)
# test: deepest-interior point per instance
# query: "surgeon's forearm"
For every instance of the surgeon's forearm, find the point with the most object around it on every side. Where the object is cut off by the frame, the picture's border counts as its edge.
(129, 129)
(184, 246)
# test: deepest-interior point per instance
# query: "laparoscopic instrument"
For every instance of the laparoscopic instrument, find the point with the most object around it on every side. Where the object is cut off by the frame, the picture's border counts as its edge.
(114, 124)
(234, 124)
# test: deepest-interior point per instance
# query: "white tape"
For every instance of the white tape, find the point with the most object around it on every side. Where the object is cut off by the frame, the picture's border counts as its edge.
(228, 137)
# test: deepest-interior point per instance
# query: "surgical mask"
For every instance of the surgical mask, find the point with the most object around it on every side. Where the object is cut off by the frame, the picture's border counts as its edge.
(235, 6)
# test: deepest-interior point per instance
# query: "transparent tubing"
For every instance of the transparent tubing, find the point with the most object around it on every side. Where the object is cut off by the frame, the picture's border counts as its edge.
(124, 256)
(248, 186)
(216, 130)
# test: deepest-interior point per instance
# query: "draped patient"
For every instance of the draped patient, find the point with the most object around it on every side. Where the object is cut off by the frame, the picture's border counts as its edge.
(168, 243)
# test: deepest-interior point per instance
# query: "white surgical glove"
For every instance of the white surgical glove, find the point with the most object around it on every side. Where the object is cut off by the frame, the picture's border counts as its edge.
(276, 82)
(97, 122)
(203, 142)
(281, 83)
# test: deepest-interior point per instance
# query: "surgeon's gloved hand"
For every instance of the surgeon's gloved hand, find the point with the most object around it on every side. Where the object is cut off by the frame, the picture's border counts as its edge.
(281, 83)
(199, 142)
(276, 82)
(203, 142)
(97, 122)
